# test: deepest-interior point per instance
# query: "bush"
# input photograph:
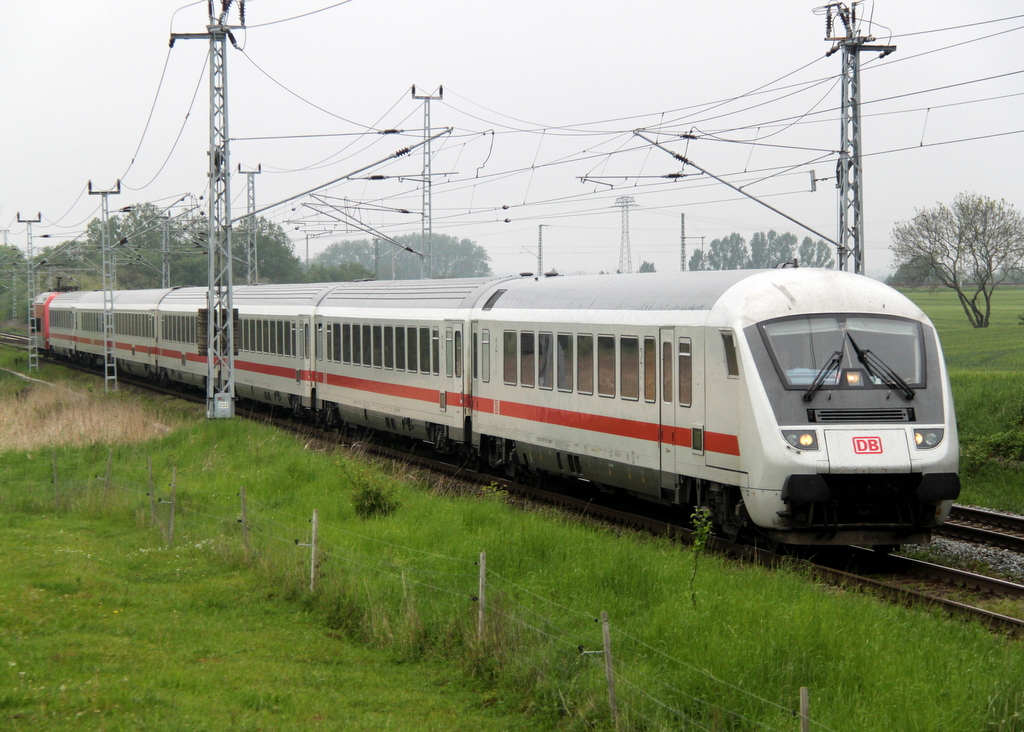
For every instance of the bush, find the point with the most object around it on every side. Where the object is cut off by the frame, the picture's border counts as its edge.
(373, 500)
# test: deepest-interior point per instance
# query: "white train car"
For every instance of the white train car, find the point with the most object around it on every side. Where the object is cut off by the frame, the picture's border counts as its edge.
(811, 406)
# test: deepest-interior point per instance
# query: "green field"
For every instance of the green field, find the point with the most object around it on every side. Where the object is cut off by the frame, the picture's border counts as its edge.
(108, 629)
(986, 367)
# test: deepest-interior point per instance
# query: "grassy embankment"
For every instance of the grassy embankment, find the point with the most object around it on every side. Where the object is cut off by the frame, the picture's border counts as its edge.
(210, 636)
(986, 367)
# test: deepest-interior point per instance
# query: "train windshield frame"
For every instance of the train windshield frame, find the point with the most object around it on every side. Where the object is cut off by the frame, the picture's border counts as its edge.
(801, 346)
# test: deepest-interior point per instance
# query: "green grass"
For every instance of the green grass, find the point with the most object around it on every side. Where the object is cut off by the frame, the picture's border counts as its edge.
(203, 627)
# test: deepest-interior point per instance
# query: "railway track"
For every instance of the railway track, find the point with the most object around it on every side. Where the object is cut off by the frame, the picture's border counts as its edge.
(980, 526)
(13, 339)
(897, 578)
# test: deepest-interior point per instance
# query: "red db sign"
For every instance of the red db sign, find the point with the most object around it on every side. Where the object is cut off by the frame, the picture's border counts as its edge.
(867, 445)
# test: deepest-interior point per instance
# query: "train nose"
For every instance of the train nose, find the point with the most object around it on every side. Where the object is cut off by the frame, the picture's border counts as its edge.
(871, 450)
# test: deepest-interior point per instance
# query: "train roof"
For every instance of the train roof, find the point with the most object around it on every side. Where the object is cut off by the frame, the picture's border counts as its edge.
(406, 294)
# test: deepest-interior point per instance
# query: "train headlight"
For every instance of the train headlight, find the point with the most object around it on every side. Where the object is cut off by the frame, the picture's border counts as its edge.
(801, 439)
(927, 439)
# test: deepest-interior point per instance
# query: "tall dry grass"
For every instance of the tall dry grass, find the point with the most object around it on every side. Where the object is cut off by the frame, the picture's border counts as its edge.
(51, 415)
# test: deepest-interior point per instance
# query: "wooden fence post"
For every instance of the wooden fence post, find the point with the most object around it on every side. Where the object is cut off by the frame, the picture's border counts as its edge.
(609, 671)
(805, 709)
(56, 490)
(152, 492)
(312, 557)
(245, 523)
(174, 492)
(481, 598)
(106, 480)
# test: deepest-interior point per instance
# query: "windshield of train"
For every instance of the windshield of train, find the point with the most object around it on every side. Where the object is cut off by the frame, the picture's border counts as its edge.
(802, 346)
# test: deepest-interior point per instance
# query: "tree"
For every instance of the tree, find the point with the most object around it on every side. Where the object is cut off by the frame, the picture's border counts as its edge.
(451, 257)
(647, 267)
(728, 253)
(697, 261)
(970, 247)
(771, 249)
(816, 254)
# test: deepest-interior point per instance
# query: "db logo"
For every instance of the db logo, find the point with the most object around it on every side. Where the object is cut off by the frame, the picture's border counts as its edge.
(867, 445)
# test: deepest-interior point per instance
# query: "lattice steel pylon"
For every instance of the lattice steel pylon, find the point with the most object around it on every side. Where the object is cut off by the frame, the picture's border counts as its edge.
(252, 268)
(219, 313)
(848, 169)
(109, 276)
(625, 252)
(427, 227)
(30, 291)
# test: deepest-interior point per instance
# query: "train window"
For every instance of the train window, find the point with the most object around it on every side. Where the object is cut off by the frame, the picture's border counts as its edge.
(585, 364)
(510, 352)
(458, 354)
(650, 370)
(527, 359)
(389, 347)
(336, 347)
(412, 350)
(435, 342)
(290, 340)
(485, 355)
(629, 367)
(357, 345)
(449, 351)
(666, 372)
(304, 342)
(266, 336)
(245, 335)
(685, 373)
(367, 345)
(729, 343)
(606, 365)
(378, 347)
(545, 361)
(400, 348)
(424, 350)
(319, 341)
(346, 343)
(259, 336)
(273, 337)
(564, 362)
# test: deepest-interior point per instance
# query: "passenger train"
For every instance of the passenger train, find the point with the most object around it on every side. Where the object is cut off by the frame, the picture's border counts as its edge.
(809, 406)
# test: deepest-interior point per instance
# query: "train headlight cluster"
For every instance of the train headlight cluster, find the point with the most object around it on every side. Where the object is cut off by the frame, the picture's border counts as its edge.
(927, 439)
(801, 439)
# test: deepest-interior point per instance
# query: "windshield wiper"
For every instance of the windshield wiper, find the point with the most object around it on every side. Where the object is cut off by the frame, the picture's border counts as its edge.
(881, 371)
(831, 365)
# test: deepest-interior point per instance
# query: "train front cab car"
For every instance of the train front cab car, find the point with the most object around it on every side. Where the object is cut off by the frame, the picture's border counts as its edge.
(859, 435)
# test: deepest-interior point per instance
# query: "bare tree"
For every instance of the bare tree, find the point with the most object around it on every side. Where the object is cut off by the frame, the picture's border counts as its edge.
(970, 246)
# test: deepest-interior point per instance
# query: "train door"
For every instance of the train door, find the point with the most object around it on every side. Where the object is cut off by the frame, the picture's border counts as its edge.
(453, 397)
(316, 361)
(681, 402)
(721, 436)
(667, 407)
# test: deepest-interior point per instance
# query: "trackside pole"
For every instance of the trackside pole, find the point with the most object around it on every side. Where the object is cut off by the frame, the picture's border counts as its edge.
(152, 493)
(106, 479)
(805, 709)
(481, 602)
(609, 671)
(174, 493)
(56, 491)
(245, 523)
(312, 555)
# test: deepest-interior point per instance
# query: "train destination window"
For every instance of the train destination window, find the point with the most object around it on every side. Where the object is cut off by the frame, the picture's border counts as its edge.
(731, 362)
(585, 364)
(527, 366)
(629, 367)
(389, 347)
(458, 354)
(378, 347)
(346, 343)
(509, 353)
(564, 362)
(436, 349)
(400, 348)
(650, 370)
(367, 346)
(685, 373)
(485, 355)
(424, 350)
(606, 365)
(545, 361)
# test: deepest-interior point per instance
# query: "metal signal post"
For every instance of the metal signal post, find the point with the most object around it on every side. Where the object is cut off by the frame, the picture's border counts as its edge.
(30, 282)
(427, 233)
(252, 263)
(109, 283)
(219, 315)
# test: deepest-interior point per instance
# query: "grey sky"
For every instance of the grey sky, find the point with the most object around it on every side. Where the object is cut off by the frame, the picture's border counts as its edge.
(539, 95)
